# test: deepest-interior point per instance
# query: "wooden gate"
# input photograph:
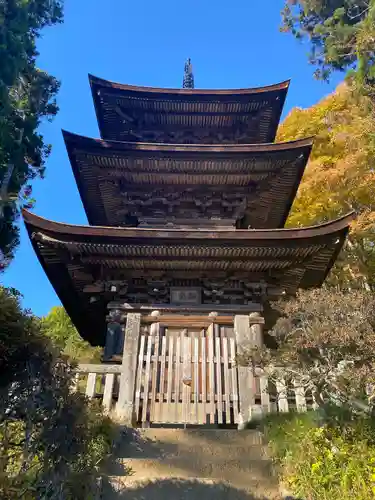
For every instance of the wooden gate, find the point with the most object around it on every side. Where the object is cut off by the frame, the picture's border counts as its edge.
(186, 376)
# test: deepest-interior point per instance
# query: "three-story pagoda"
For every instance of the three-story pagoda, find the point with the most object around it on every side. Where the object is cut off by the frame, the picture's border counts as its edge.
(186, 195)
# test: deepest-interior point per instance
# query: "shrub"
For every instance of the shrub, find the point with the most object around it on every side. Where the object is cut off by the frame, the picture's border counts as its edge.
(52, 439)
(324, 456)
(325, 340)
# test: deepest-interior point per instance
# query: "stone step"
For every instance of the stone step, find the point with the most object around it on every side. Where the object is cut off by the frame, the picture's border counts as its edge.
(183, 488)
(143, 442)
(192, 460)
(193, 466)
(230, 461)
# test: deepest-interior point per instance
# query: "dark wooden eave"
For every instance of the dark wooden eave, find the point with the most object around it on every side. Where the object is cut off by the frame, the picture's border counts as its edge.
(147, 114)
(75, 257)
(260, 181)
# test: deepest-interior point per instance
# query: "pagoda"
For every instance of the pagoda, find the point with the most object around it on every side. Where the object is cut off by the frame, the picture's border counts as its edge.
(186, 196)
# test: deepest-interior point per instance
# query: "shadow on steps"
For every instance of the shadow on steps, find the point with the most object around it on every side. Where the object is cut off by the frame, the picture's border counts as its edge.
(230, 457)
(177, 489)
(186, 464)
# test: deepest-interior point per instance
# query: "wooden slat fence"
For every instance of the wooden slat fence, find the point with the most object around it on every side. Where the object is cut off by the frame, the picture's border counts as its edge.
(195, 383)
(194, 373)
(207, 359)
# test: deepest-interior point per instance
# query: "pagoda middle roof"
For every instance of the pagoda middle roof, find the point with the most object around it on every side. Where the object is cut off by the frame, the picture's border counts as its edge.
(76, 257)
(148, 114)
(254, 185)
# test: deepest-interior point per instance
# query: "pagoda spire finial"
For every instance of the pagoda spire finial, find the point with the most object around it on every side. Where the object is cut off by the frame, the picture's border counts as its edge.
(188, 82)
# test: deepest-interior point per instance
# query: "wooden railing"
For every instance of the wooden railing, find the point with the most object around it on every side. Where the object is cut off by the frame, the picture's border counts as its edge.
(280, 397)
(99, 381)
(103, 383)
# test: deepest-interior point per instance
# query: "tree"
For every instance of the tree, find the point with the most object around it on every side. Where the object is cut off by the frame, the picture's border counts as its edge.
(59, 328)
(27, 95)
(51, 438)
(341, 35)
(325, 340)
(340, 177)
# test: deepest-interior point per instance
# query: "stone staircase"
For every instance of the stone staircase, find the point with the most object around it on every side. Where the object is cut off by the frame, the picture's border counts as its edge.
(187, 464)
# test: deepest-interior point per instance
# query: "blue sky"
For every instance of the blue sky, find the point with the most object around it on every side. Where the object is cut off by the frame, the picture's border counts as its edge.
(231, 44)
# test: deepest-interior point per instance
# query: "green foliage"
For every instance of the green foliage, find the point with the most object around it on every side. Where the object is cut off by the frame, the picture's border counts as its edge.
(341, 35)
(19, 337)
(52, 439)
(325, 340)
(324, 458)
(340, 177)
(59, 328)
(27, 95)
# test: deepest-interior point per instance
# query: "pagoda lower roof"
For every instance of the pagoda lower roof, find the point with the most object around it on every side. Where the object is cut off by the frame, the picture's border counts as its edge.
(243, 185)
(147, 114)
(77, 259)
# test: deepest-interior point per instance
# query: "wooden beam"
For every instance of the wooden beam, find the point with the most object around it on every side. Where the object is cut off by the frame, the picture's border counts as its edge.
(197, 321)
(220, 308)
(179, 320)
(88, 368)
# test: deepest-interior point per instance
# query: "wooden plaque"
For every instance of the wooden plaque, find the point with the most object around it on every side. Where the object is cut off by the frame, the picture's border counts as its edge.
(185, 296)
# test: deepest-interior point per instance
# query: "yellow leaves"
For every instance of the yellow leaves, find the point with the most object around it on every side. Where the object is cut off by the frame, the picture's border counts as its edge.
(318, 119)
(316, 466)
(340, 173)
(364, 223)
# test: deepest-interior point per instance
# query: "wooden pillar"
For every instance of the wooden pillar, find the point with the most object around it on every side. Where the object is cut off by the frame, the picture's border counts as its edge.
(125, 404)
(186, 377)
(114, 342)
(256, 330)
(248, 335)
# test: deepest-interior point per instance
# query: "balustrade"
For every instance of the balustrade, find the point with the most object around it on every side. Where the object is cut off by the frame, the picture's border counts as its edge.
(102, 382)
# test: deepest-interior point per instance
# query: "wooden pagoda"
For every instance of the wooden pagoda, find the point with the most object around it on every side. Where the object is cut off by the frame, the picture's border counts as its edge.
(186, 196)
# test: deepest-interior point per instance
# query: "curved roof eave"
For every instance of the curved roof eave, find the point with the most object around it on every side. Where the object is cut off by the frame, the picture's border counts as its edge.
(80, 140)
(294, 150)
(325, 229)
(100, 82)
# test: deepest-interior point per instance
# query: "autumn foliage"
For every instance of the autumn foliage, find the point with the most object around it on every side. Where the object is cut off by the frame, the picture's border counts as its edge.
(340, 176)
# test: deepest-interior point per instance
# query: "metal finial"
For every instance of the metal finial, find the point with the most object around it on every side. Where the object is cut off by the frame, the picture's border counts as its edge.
(188, 82)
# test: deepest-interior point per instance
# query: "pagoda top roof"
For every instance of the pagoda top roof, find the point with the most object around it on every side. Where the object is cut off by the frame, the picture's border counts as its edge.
(124, 183)
(149, 114)
(101, 82)
(80, 260)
